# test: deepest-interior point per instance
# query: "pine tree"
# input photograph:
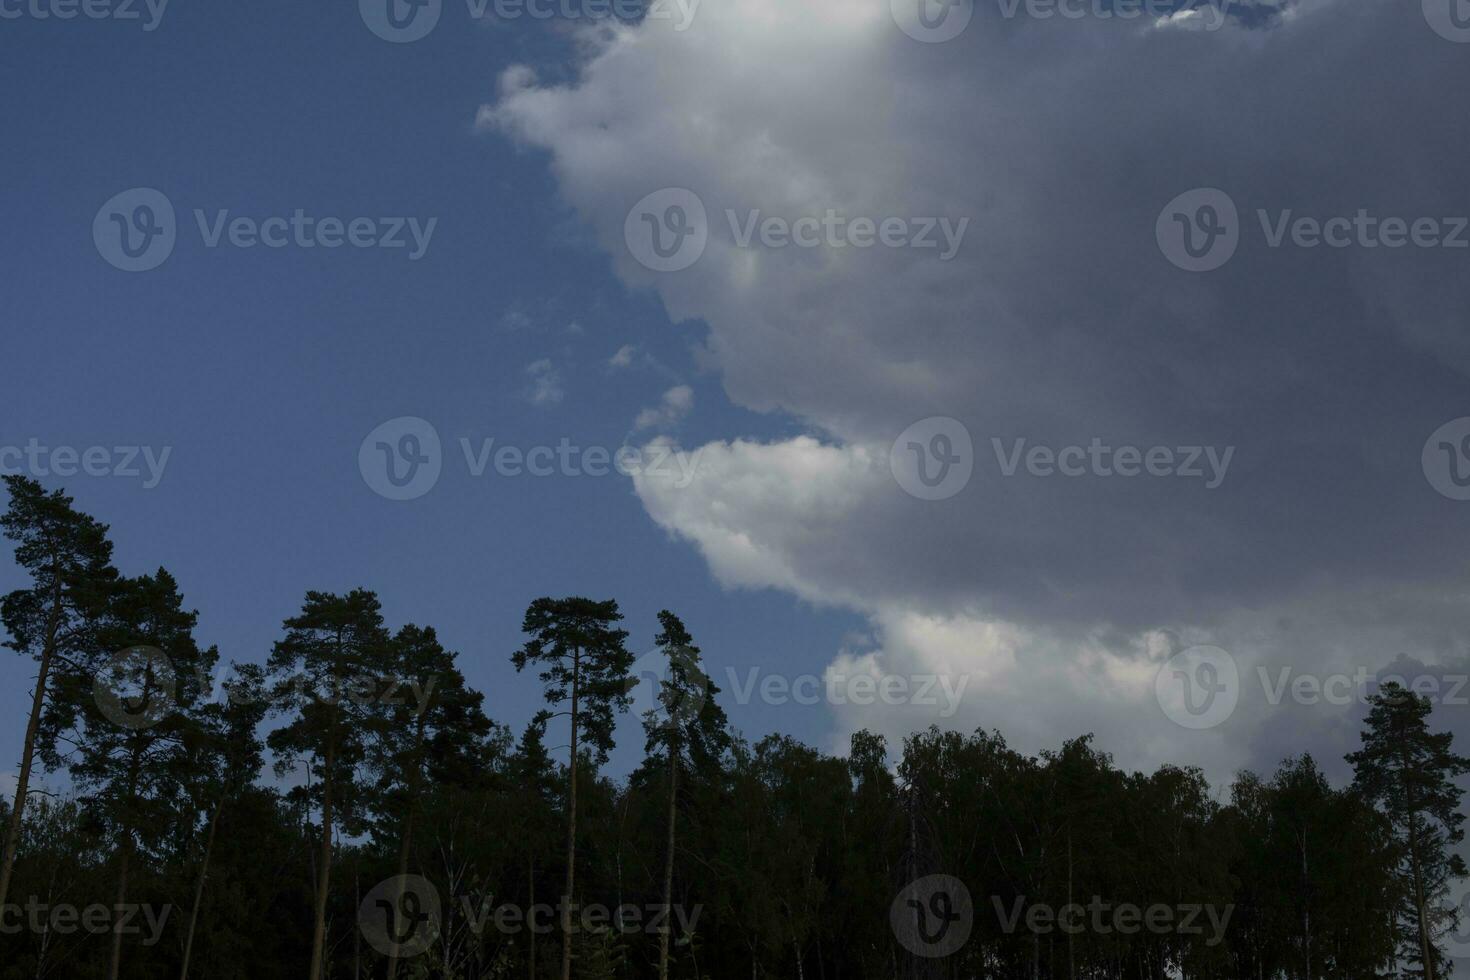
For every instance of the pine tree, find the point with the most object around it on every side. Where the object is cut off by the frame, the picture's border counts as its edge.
(229, 760)
(586, 666)
(430, 732)
(690, 729)
(1410, 773)
(128, 710)
(69, 560)
(329, 649)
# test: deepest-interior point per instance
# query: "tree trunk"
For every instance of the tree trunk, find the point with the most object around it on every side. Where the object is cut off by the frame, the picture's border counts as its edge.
(1306, 906)
(530, 906)
(1071, 959)
(403, 851)
(357, 933)
(324, 873)
(199, 891)
(663, 937)
(28, 752)
(1425, 947)
(114, 964)
(1412, 806)
(566, 913)
(135, 764)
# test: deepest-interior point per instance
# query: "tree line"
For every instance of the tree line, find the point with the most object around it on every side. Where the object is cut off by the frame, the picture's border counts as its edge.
(409, 835)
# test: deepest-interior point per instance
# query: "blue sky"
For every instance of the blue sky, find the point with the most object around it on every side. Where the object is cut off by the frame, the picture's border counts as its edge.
(264, 370)
(1063, 150)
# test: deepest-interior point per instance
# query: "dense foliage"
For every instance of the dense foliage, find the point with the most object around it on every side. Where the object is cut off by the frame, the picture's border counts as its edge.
(412, 836)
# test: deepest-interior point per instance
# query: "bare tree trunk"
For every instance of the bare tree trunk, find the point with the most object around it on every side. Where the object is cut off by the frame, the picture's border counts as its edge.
(28, 752)
(531, 905)
(1071, 960)
(1425, 946)
(114, 965)
(357, 933)
(1306, 907)
(134, 766)
(663, 937)
(199, 891)
(1416, 871)
(324, 873)
(566, 913)
(403, 852)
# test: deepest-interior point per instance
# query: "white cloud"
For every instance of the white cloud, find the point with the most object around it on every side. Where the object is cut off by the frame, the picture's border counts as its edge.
(515, 319)
(623, 357)
(675, 404)
(1058, 321)
(546, 387)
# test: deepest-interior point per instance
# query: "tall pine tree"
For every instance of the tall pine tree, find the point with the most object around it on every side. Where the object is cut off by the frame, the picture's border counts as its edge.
(69, 559)
(586, 665)
(1410, 773)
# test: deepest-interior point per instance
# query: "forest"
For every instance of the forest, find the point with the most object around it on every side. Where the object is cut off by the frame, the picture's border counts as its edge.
(343, 807)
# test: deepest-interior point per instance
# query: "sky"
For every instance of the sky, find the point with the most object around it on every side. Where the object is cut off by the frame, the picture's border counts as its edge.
(1094, 368)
